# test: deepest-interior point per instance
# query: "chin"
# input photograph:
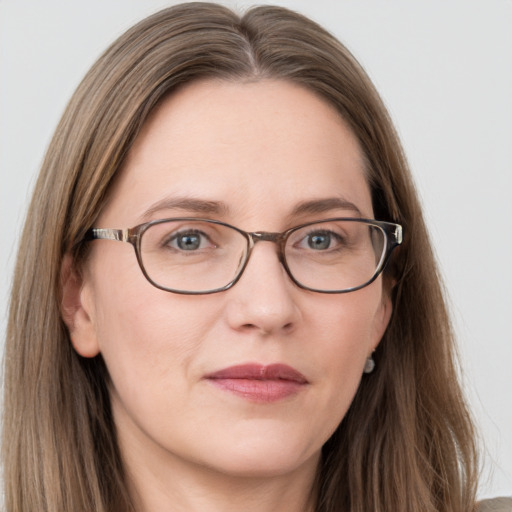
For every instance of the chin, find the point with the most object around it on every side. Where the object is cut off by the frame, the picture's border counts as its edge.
(263, 458)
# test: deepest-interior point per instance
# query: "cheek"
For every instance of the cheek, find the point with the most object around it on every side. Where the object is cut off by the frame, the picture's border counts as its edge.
(142, 327)
(346, 332)
(348, 326)
(147, 337)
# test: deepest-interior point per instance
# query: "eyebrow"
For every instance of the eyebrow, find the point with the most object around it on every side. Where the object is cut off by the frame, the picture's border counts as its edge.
(325, 205)
(187, 204)
(208, 207)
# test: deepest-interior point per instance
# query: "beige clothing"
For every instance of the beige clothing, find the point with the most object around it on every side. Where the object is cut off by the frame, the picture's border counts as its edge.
(496, 505)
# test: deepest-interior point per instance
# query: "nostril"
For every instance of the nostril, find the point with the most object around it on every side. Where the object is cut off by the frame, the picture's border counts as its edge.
(288, 326)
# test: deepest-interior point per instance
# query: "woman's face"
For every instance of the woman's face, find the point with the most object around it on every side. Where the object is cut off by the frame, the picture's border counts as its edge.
(262, 156)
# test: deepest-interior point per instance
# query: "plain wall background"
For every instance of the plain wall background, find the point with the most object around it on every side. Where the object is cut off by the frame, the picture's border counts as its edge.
(444, 69)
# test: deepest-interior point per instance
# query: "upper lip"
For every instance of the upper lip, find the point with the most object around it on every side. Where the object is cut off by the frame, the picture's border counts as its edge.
(255, 371)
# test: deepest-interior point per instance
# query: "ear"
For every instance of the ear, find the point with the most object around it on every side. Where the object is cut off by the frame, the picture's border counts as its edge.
(382, 318)
(75, 310)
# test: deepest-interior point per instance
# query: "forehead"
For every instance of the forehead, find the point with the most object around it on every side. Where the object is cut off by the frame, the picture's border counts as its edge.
(257, 146)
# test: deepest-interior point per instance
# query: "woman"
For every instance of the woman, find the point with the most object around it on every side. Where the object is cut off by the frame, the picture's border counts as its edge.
(206, 370)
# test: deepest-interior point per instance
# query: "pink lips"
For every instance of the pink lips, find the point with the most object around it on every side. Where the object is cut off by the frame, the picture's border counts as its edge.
(259, 383)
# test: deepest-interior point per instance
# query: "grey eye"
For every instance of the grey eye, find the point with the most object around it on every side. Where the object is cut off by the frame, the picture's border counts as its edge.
(189, 241)
(319, 240)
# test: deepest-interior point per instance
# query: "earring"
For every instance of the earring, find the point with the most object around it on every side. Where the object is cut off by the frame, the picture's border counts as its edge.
(369, 365)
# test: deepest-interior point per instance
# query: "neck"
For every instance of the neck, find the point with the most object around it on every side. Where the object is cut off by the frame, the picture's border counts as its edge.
(179, 486)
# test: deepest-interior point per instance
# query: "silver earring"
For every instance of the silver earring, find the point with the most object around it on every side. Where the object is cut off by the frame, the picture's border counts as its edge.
(369, 365)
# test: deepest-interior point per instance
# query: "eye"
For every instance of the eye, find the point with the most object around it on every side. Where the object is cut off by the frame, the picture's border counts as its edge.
(190, 240)
(320, 240)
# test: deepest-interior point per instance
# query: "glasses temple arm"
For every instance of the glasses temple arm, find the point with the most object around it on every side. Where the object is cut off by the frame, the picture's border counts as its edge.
(398, 234)
(120, 235)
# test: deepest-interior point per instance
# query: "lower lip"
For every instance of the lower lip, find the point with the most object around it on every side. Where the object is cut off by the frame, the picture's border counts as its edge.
(259, 390)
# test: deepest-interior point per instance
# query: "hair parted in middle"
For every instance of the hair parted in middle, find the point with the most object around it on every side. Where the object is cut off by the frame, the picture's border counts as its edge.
(405, 445)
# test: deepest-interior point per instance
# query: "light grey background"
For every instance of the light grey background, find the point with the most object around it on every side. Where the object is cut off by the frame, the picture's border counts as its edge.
(444, 69)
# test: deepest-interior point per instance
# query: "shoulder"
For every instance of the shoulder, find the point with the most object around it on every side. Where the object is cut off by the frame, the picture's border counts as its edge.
(495, 505)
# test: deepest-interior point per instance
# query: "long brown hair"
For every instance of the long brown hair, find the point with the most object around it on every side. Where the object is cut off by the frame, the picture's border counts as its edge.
(405, 445)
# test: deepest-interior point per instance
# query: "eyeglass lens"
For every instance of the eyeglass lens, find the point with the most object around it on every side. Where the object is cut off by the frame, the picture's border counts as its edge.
(200, 256)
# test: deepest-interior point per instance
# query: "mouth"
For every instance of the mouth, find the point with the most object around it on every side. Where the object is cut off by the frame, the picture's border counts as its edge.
(259, 383)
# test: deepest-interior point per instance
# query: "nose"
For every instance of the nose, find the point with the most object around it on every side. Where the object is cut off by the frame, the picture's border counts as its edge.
(264, 300)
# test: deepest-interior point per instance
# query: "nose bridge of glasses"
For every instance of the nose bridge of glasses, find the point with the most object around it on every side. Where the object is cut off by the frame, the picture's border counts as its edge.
(266, 236)
(269, 236)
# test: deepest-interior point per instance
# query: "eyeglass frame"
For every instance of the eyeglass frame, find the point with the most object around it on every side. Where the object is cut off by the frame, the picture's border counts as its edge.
(393, 237)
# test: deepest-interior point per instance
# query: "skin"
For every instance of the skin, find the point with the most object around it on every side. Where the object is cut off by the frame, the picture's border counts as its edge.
(260, 148)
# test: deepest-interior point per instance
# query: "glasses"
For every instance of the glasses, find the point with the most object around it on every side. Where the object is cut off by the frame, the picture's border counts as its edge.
(200, 256)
